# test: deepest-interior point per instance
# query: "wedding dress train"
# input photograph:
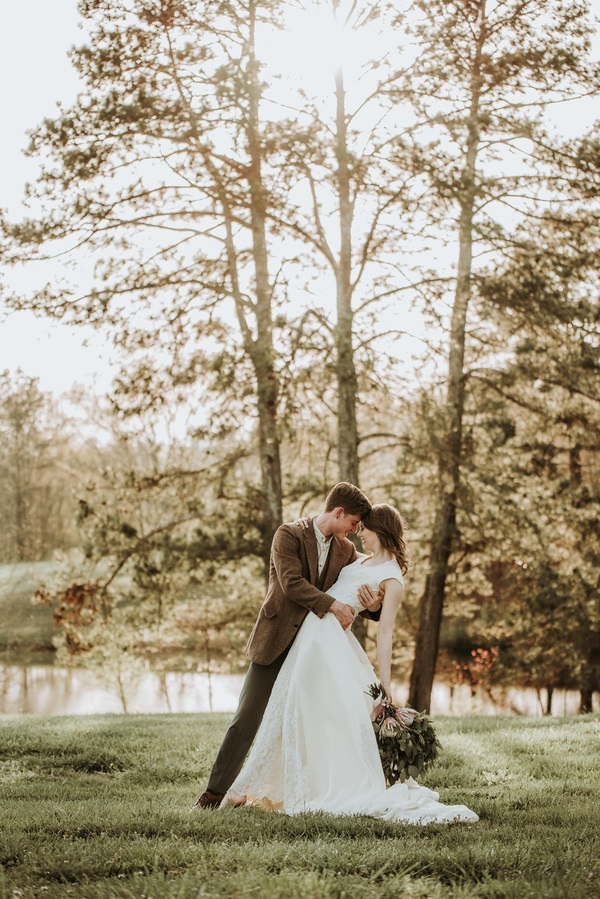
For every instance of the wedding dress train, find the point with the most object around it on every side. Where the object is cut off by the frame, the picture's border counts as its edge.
(316, 749)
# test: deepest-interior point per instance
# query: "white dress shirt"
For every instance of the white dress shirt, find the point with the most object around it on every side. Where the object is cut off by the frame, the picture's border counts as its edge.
(323, 544)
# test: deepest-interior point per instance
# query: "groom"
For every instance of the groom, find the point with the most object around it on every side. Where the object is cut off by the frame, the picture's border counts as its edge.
(305, 562)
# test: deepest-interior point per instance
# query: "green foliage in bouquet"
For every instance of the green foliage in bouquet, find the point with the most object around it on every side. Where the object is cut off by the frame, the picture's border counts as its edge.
(406, 739)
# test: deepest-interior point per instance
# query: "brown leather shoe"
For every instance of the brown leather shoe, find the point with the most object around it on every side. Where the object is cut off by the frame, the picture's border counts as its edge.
(208, 799)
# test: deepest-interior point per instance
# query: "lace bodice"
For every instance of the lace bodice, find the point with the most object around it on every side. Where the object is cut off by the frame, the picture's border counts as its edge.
(355, 575)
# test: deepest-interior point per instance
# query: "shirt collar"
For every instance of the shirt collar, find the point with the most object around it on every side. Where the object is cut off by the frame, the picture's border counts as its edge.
(320, 535)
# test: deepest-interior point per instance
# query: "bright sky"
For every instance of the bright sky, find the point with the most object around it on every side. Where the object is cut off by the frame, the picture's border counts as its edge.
(35, 73)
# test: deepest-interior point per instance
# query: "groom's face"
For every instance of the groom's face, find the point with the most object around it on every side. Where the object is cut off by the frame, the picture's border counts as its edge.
(344, 523)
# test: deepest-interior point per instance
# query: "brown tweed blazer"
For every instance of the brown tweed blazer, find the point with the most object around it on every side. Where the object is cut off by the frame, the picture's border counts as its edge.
(292, 593)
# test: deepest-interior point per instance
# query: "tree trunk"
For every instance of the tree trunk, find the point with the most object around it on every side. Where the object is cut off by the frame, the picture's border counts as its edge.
(262, 352)
(22, 491)
(346, 371)
(575, 472)
(257, 341)
(449, 454)
(591, 666)
(590, 680)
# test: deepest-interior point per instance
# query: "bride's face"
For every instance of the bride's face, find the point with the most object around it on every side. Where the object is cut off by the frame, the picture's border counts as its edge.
(370, 540)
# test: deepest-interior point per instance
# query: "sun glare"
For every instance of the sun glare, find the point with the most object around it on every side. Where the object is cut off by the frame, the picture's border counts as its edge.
(321, 36)
(316, 42)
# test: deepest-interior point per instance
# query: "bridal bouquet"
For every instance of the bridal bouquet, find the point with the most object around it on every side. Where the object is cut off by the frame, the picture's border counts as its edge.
(406, 739)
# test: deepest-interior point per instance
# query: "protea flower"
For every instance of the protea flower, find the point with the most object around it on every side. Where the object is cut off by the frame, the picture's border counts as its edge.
(389, 727)
(406, 717)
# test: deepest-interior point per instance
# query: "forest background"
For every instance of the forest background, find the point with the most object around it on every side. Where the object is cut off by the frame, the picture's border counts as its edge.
(329, 241)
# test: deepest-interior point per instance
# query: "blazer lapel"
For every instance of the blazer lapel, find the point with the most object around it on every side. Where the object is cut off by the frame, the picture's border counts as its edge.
(312, 553)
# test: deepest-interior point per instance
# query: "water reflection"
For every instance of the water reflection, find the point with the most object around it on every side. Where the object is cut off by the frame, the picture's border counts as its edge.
(458, 700)
(50, 690)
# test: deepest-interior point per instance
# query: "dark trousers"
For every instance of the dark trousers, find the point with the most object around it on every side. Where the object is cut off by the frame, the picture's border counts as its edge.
(240, 734)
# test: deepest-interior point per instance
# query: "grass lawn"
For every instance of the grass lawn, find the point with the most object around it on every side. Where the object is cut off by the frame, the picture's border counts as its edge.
(100, 807)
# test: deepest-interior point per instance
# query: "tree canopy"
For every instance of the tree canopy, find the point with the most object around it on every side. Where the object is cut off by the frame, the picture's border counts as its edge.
(206, 203)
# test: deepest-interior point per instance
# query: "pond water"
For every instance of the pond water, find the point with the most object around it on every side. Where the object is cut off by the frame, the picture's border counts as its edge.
(51, 690)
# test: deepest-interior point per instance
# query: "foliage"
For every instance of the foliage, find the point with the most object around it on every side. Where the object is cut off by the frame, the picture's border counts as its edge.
(37, 472)
(170, 570)
(26, 627)
(160, 174)
(533, 475)
(201, 212)
(483, 81)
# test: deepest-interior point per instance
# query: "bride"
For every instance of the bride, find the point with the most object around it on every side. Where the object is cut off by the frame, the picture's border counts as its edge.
(316, 749)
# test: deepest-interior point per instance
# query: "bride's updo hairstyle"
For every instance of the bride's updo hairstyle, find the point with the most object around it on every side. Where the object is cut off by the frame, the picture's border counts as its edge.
(388, 524)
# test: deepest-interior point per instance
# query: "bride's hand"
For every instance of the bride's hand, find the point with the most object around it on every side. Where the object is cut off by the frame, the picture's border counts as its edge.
(369, 599)
(302, 522)
(377, 710)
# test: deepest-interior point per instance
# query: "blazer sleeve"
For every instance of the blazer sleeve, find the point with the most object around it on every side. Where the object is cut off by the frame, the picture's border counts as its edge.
(372, 616)
(286, 557)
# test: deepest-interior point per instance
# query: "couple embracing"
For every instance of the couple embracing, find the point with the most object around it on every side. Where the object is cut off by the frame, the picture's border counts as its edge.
(304, 714)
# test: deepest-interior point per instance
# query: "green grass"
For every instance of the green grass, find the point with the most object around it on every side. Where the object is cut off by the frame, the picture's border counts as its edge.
(100, 807)
(25, 625)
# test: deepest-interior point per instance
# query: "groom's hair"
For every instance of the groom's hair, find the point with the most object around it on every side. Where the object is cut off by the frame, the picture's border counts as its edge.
(350, 498)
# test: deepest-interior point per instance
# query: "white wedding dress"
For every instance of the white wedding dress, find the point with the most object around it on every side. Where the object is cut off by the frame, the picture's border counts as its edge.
(316, 749)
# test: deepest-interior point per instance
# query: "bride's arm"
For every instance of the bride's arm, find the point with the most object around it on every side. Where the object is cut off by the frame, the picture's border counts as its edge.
(391, 602)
